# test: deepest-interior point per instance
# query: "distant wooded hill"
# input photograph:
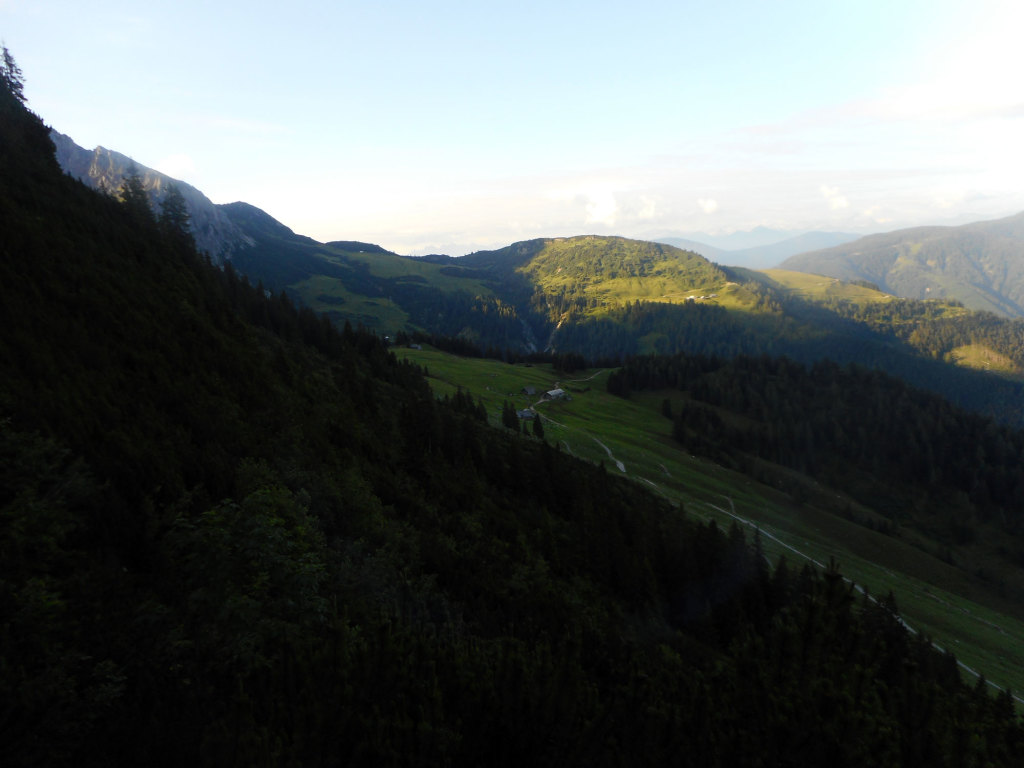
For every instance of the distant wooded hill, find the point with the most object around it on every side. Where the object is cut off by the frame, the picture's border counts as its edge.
(979, 264)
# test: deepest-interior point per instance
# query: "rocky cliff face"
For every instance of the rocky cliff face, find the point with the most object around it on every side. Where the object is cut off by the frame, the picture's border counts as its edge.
(105, 170)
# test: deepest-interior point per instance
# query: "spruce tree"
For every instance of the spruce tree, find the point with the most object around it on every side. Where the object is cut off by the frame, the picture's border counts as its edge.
(174, 218)
(11, 77)
(508, 416)
(133, 195)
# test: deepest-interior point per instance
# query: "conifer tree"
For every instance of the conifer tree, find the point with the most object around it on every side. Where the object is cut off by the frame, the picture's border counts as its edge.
(11, 76)
(174, 218)
(508, 416)
(133, 195)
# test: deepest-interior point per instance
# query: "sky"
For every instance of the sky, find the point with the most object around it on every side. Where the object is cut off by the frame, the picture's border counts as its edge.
(450, 127)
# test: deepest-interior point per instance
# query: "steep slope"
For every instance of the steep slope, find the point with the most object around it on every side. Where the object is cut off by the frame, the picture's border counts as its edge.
(233, 534)
(918, 558)
(979, 264)
(105, 171)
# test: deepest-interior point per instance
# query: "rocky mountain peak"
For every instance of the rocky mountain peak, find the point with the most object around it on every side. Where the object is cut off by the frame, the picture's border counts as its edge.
(105, 170)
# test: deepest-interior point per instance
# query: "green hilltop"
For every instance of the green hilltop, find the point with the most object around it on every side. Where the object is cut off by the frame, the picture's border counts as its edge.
(605, 272)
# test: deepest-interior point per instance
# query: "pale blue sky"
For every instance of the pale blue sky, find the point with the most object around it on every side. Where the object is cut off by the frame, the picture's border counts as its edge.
(452, 126)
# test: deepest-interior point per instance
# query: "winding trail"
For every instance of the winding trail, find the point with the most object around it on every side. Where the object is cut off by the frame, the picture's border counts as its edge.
(619, 464)
(591, 376)
(731, 512)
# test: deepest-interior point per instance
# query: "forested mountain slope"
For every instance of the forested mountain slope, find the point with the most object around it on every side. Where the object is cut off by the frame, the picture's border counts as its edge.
(980, 264)
(233, 534)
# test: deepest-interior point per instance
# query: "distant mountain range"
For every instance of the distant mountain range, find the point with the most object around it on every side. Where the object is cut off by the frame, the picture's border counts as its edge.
(980, 264)
(759, 248)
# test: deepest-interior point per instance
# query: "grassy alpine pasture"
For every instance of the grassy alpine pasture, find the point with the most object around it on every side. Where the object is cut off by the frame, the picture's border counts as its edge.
(368, 292)
(633, 437)
(983, 358)
(818, 288)
(611, 271)
(391, 266)
(323, 293)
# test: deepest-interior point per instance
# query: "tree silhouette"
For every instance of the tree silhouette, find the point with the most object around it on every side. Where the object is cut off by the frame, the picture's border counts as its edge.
(508, 416)
(174, 218)
(11, 76)
(133, 195)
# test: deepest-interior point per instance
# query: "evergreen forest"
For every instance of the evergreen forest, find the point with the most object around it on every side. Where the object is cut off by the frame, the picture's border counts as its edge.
(237, 532)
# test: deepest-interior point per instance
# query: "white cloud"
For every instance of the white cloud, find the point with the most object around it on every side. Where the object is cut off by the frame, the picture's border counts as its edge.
(602, 207)
(836, 201)
(708, 205)
(648, 208)
(599, 204)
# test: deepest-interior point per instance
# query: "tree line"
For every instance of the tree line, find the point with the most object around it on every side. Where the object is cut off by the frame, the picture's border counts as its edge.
(898, 449)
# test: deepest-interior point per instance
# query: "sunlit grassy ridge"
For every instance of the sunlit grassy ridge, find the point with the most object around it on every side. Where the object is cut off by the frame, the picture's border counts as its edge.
(610, 271)
(633, 438)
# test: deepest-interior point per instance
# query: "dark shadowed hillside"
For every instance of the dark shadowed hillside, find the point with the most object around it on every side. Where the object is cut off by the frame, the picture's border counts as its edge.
(233, 533)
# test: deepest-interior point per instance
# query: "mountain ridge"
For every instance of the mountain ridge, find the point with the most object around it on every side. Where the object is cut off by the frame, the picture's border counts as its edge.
(980, 264)
(105, 170)
(588, 302)
(766, 251)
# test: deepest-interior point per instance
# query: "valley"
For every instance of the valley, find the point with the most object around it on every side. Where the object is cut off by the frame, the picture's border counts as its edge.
(268, 501)
(956, 609)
